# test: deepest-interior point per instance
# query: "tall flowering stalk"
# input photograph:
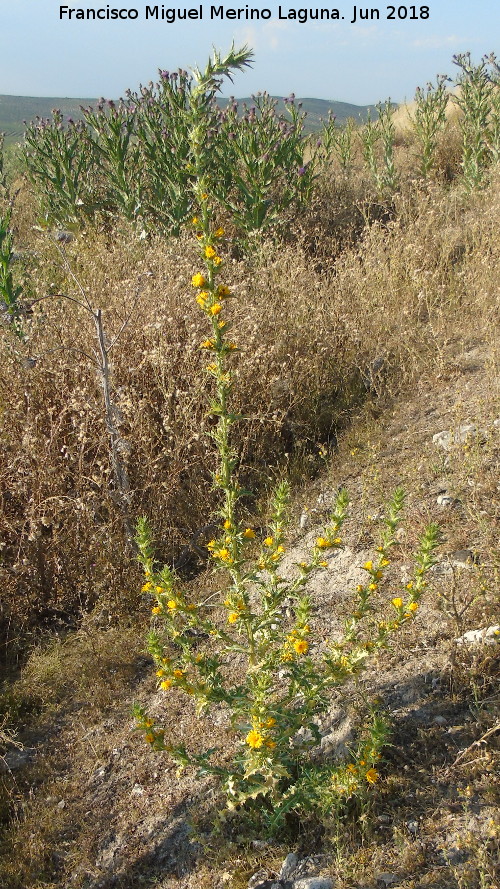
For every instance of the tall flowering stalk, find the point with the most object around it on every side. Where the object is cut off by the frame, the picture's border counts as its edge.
(429, 120)
(263, 618)
(475, 101)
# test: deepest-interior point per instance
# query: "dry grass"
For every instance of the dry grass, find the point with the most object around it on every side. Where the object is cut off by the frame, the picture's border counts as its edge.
(315, 336)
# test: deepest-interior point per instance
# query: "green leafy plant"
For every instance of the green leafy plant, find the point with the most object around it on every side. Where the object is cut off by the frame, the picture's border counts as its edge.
(388, 177)
(162, 136)
(132, 159)
(60, 162)
(265, 154)
(117, 155)
(338, 142)
(429, 120)
(475, 95)
(10, 306)
(377, 140)
(263, 617)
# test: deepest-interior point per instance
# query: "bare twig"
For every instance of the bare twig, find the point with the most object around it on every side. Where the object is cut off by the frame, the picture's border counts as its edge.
(475, 744)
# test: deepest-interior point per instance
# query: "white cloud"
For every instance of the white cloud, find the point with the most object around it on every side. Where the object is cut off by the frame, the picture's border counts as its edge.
(436, 42)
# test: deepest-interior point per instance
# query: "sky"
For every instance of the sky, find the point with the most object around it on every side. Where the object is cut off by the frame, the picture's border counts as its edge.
(42, 54)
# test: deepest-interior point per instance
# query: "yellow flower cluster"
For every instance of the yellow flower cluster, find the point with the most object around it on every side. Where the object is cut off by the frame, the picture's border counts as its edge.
(198, 280)
(296, 642)
(255, 739)
(326, 542)
(258, 737)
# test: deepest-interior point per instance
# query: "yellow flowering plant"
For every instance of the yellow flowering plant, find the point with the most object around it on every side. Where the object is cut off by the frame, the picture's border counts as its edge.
(263, 618)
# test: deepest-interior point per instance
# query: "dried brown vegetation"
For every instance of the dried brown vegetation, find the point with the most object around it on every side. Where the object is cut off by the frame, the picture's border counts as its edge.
(315, 337)
(354, 333)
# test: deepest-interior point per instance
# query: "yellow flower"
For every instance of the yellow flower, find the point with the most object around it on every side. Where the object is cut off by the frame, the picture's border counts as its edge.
(301, 646)
(217, 260)
(204, 196)
(413, 606)
(156, 610)
(398, 602)
(359, 588)
(195, 221)
(224, 555)
(211, 545)
(232, 617)
(179, 674)
(160, 673)
(215, 309)
(207, 344)
(201, 300)
(198, 280)
(249, 533)
(322, 542)
(223, 290)
(209, 252)
(287, 656)
(337, 541)
(150, 737)
(159, 589)
(166, 684)
(171, 604)
(371, 776)
(384, 563)
(270, 744)
(409, 586)
(323, 564)
(147, 587)
(254, 739)
(219, 233)
(227, 525)
(270, 722)
(372, 587)
(368, 566)
(269, 541)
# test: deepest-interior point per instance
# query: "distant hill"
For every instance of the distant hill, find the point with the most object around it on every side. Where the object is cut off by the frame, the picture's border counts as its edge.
(14, 110)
